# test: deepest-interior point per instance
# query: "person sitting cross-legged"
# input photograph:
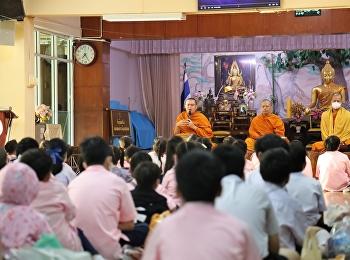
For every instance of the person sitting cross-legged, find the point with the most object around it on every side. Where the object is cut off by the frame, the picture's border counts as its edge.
(197, 230)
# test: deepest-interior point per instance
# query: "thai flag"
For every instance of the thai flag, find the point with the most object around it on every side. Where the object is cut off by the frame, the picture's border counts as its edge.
(186, 90)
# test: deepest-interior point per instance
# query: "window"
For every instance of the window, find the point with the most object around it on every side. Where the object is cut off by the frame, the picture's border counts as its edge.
(54, 69)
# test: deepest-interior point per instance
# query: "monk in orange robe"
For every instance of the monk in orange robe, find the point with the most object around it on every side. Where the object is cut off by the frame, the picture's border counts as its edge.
(192, 122)
(335, 121)
(265, 123)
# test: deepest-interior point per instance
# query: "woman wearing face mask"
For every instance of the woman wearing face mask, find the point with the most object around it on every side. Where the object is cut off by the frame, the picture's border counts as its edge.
(334, 121)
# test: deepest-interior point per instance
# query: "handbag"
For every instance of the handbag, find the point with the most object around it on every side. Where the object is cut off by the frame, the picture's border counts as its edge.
(310, 248)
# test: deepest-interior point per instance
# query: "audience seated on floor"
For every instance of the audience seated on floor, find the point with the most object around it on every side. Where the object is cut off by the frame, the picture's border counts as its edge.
(248, 166)
(147, 201)
(333, 167)
(170, 152)
(169, 179)
(128, 153)
(275, 167)
(4, 159)
(158, 154)
(57, 149)
(247, 202)
(104, 205)
(10, 148)
(262, 145)
(138, 158)
(228, 140)
(307, 191)
(53, 200)
(187, 234)
(205, 142)
(118, 156)
(24, 145)
(20, 224)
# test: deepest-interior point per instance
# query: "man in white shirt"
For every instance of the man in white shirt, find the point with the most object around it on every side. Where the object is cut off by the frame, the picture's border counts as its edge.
(247, 202)
(307, 191)
(275, 165)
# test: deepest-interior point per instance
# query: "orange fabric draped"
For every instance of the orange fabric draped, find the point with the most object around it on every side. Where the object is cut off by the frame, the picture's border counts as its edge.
(262, 125)
(199, 120)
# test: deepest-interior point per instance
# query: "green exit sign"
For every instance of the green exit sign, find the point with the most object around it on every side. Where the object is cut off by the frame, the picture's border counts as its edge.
(308, 12)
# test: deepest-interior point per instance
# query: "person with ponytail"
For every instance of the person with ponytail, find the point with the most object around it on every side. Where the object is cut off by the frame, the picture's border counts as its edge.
(170, 152)
(57, 149)
(118, 157)
(158, 153)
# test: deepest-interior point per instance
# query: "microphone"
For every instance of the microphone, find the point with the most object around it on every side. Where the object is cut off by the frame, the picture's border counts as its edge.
(189, 115)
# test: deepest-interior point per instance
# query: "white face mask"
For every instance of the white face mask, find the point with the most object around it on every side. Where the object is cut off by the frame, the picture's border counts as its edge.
(336, 105)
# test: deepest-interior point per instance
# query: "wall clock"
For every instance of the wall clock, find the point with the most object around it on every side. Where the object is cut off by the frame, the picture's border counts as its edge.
(85, 54)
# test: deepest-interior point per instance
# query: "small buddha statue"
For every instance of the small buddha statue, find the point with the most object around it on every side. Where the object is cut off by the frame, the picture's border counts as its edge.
(225, 106)
(323, 93)
(234, 80)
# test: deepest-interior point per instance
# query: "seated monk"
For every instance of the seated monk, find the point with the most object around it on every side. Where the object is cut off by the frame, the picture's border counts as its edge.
(323, 93)
(265, 123)
(192, 122)
(335, 121)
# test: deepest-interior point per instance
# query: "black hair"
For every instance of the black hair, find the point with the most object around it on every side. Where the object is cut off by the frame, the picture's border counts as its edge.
(80, 164)
(332, 143)
(192, 138)
(43, 144)
(198, 176)
(297, 155)
(126, 140)
(137, 158)
(275, 165)
(228, 140)
(57, 149)
(11, 146)
(69, 151)
(26, 144)
(159, 148)
(3, 157)
(232, 158)
(117, 155)
(240, 144)
(146, 174)
(39, 160)
(95, 150)
(205, 142)
(183, 148)
(270, 141)
(130, 151)
(170, 152)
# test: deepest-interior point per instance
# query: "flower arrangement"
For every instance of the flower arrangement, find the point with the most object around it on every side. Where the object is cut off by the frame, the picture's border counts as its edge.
(249, 94)
(199, 95)
(298, 111)
(43, 112)
(316, 113)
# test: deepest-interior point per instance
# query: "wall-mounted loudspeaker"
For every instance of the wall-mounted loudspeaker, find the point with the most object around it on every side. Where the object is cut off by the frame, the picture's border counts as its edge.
(7, 32)
(11, 9)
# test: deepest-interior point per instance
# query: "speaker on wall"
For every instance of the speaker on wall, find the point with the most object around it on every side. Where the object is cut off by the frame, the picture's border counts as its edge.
(11, 9)
(7, 33)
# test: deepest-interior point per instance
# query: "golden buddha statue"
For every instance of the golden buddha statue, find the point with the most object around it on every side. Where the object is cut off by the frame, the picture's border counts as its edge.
(234, 80)
(323, 93)
(224, 106)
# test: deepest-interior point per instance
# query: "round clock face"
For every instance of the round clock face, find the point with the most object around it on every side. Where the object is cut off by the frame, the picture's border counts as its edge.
(85, 54)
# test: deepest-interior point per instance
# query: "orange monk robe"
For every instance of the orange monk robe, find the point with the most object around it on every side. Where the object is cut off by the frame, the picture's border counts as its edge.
(262, 125)
(199, 120)
(339, 126)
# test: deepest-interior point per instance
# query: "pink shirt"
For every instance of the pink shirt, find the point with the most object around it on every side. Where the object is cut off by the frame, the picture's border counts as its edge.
(199, 231)
(333, 170)
(170, 184)
(160, 190)
(308, 168)
(102, 200)
(54, 202)
(248, 166)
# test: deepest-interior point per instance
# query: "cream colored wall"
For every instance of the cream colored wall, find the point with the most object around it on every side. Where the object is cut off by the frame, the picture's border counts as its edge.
(16, 63)
(91, 7)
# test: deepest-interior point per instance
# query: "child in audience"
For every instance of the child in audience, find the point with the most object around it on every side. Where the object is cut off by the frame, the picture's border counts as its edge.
(24, 145)
(307, 191)
(198, 230)
(147, 200)
(138, 158)
(117, 154)
(57, 149)
(228, 140)
(205, 142)
(4, 159)
(333, 167)
(308, 167)
(128, 153)
(275, 167)
(10, 148)
(169, 180)
(158, 153)
(240, 144)
(125, 142)
(247, 202)
(52, 199)
(170, 152)
(20, 225)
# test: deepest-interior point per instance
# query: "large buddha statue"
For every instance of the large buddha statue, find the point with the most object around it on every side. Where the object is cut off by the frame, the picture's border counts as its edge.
(323, 93)
(234, 80)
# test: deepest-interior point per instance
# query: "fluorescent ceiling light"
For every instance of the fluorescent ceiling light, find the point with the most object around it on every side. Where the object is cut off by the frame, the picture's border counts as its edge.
(144, 17)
